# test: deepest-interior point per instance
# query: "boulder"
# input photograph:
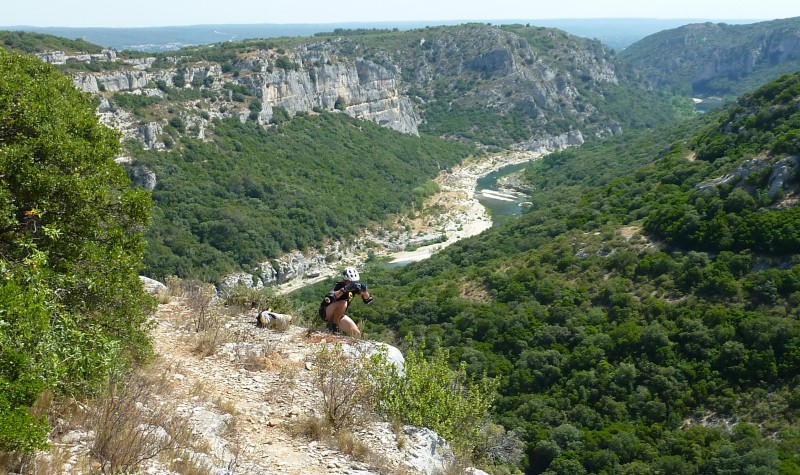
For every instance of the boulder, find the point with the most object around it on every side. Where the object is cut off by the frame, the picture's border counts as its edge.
(152, 286)
(366, 348)
(240, 279)
(426, 451)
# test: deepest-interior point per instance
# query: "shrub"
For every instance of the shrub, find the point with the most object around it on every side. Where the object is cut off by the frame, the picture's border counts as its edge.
(178, 123)
(208, 341)
(265, 297)
(285, 63)
(199, 297)
(340, 104)
(428, 393)
(179, 80)
(70, 247)
(345, 385)
(279, 115)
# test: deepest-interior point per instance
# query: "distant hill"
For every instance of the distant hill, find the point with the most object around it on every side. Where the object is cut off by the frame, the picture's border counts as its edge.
(718, 59)
(616, 33)
(27, 42)
(508, 85)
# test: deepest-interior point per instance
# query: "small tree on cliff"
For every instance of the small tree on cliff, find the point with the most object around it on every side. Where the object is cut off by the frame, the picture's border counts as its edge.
(72, 308)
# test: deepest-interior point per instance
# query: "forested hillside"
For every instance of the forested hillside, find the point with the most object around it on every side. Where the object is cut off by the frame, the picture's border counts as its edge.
(509, 85)
(249, 155)
(642, 316)
(36, 42)
(252, 194)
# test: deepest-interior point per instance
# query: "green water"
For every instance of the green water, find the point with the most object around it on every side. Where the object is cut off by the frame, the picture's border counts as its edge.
(500, 210)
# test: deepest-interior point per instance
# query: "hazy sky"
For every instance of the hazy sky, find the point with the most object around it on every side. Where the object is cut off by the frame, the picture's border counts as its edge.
(197, 12)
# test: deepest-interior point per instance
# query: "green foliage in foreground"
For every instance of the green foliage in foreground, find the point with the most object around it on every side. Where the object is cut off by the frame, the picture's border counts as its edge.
(430, 394)
(253, 194)
(612, 348)
(425, 392)
(70, 248)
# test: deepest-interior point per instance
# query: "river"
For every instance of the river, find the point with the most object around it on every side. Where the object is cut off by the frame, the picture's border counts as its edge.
(472, 201)
(501, 204)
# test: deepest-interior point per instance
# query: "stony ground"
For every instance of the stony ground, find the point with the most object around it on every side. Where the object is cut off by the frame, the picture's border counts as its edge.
(241, 401)
(241, 405)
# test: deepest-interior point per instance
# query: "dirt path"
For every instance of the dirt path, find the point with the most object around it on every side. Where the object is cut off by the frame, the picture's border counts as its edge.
(263, 381)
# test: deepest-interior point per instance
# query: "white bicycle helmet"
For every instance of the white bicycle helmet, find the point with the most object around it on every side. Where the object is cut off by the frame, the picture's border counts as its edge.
(350, 273)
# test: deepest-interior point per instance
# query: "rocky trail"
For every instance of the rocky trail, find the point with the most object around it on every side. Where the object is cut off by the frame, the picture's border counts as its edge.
(240, 406)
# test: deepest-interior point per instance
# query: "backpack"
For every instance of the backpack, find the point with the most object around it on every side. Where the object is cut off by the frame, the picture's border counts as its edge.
(263, 318)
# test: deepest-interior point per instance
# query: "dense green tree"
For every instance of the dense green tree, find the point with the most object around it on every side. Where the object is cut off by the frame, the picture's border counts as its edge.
(70, 247)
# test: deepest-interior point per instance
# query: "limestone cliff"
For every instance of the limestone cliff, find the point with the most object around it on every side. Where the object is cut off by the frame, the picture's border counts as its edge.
(549, 80)
(314, 81)
(717, 58)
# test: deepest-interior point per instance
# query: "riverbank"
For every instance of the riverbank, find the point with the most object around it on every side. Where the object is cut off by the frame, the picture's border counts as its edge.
(447, 217)
(457, 213)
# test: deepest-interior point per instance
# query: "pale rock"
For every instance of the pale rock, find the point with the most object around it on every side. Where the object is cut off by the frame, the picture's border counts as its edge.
(426, 451)
(143, 177)
(149, 134)
(119, 81)
(152, 286)
(557, 142)
(782, 172)
(240, 279)
(85, 83)
(104, 105)
(53, 57)
(474, 471)
(364, 349)
(140, 63)
(74, 437)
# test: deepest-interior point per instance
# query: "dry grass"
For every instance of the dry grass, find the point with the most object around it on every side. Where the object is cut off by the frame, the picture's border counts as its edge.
(131, 425)
(344, 383)
(228, 407)
(258, 358)
(207, 342)
(123, 427)
(473, 291)
(189, 465)
(164, 297)
(347, 443)
(316, 428)
(400, 437)
(310, 427)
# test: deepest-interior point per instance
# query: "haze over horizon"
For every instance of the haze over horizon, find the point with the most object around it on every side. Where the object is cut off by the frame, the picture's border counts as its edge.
(154, 13)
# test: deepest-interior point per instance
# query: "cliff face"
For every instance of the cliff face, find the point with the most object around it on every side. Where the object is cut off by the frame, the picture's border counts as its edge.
(709, 56)
(540, 75)
(362, 89)
(514, 87)
(315, 81)
(551, 82)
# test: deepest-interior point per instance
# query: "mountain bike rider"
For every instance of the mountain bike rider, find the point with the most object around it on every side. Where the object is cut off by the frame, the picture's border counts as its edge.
(335, 303)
